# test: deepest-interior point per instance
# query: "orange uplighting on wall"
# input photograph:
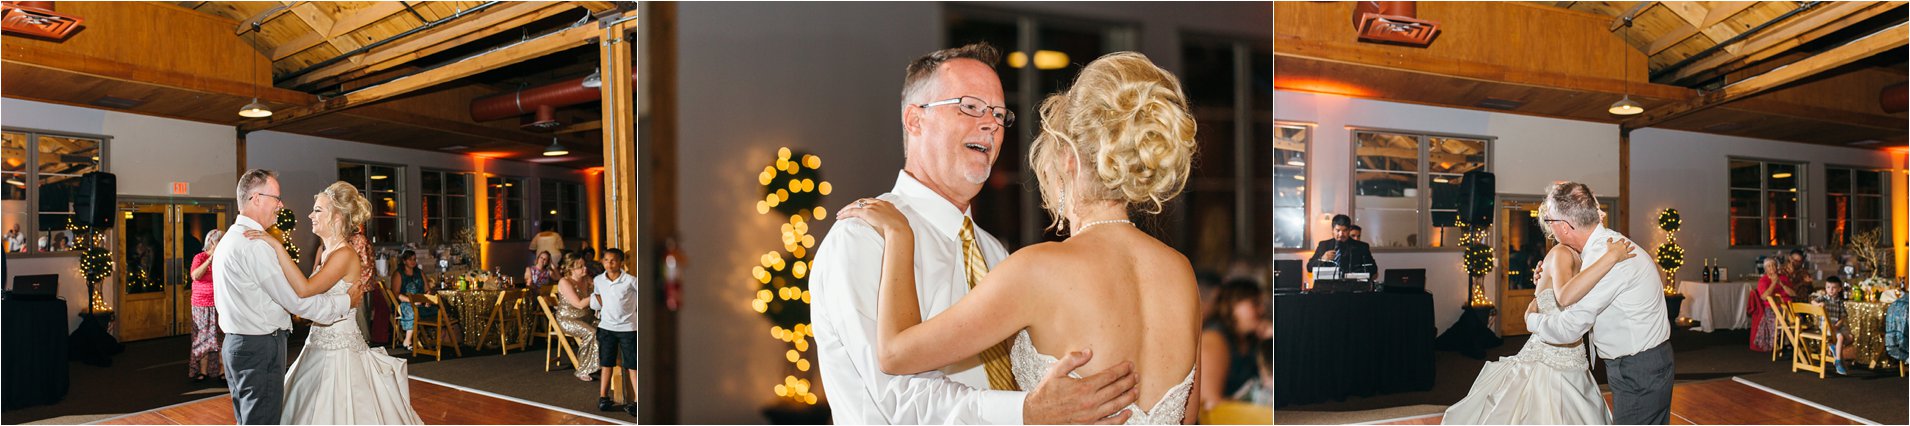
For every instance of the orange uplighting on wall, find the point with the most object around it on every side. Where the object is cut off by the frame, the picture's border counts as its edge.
(1320, 86)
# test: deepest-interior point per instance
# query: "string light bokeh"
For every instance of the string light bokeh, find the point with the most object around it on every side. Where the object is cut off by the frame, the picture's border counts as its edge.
(792, 188)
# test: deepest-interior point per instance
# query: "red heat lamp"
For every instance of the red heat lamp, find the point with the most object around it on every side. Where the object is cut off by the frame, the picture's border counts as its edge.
(37, 19)
(1379, 28)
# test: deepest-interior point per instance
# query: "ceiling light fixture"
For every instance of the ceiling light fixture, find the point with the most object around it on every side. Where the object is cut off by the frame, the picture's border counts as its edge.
(255, 109)
(555, 149)
(1626, 106)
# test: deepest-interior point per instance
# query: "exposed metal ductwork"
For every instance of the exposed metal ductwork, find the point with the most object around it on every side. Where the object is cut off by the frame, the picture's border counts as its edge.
(541, 100)
(1893, 97)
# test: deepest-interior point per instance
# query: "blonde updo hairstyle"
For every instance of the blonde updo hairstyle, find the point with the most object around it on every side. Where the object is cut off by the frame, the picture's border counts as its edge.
(349, 208)
(1126, 123)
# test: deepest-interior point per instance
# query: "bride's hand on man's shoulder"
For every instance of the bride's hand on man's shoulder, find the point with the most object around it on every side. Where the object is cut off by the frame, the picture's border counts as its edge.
(267, 238)
(1620, 247)
(880, 214)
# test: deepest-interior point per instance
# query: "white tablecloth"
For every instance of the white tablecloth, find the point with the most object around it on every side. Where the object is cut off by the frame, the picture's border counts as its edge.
(1717, 305)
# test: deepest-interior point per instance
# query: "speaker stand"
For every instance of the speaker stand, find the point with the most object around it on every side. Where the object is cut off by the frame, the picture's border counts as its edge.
(91, 343)
(1470, 336)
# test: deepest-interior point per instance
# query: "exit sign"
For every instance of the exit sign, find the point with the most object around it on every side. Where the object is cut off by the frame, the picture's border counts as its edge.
(181, 188)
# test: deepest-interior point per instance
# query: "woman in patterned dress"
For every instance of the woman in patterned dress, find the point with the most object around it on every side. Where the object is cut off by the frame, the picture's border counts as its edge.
(206, 336)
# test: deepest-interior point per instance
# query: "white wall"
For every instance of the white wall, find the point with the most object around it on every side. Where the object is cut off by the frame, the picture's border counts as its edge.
(148, 153)
(1529, 153)
(1689, 171)
(821, 77)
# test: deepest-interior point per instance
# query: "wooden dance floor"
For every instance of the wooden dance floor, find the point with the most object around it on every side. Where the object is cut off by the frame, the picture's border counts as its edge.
(1720, 402)
(436, 405)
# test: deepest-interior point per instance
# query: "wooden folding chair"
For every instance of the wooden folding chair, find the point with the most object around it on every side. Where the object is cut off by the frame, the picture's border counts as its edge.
(1786, 327)
(434, 326)
(508, 308)
(541, 325)
(1804, 357)
(554, 337)
(397, 329)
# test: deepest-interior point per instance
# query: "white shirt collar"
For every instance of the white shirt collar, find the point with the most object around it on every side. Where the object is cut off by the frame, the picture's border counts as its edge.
(940, 213)
(249, 223)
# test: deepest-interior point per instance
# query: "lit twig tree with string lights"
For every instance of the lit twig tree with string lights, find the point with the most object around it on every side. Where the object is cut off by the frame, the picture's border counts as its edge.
(1477, 261)
(1670, 255)
(792, 188)
(96, 263)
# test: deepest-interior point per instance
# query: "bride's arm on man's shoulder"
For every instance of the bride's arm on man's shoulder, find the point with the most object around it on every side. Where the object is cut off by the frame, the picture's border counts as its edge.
(1002, 304)
(293, 276)
(1574, 290)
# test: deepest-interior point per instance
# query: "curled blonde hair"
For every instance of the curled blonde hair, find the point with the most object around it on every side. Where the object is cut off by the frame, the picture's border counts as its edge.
(1129, 120)
(349, 208)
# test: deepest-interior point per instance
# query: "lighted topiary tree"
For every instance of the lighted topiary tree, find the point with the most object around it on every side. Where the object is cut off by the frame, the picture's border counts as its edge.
(792, 188)
(1670, 256)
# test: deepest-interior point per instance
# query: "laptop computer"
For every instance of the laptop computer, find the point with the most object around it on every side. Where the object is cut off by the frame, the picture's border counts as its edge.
(1406, 280)
(45, 286)
(1288, 276)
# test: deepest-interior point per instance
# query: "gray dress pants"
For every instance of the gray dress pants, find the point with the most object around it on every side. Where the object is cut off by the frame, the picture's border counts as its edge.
(255, 371)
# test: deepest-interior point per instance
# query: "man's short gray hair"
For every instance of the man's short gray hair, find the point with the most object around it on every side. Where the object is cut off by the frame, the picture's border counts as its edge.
(1572, 202)
(252, 180)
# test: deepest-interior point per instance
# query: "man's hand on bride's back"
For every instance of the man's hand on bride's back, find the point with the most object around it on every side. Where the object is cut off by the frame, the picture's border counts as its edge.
(1101, 398)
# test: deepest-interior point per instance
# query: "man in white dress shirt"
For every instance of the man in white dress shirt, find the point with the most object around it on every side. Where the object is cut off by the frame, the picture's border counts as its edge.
(952, 122)
(1625, 311)
(252, 296)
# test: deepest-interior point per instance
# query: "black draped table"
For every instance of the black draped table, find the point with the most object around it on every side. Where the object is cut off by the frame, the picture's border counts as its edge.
(1331, 346)
(33, 352)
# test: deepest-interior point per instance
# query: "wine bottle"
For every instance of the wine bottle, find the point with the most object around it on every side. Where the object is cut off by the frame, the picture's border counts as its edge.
(1705, 273)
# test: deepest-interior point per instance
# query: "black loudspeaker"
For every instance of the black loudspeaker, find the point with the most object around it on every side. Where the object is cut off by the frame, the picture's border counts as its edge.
(1476, 191)
(93, 203)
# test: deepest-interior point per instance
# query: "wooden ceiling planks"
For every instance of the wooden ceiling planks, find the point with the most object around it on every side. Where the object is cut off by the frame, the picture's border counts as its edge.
(299, 34)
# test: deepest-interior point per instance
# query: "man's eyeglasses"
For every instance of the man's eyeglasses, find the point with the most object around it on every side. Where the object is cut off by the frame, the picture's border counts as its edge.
(275, 197)
(1567, 224)
(974, 107)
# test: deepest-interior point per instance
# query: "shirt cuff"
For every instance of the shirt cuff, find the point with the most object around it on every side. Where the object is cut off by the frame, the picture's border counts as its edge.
(1001, 407)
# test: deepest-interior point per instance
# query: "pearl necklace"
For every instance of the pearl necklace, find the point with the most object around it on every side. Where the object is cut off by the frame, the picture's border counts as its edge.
(1085, 226)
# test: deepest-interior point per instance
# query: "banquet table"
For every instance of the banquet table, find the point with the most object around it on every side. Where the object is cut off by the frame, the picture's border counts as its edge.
(1864, 322)
(1717, 305)
(1331, 346)
(34, 352)
(472, 309)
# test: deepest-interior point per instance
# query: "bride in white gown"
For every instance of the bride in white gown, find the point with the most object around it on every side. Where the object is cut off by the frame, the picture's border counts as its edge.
(337, 378)
(1544, 383)
(1119, 141)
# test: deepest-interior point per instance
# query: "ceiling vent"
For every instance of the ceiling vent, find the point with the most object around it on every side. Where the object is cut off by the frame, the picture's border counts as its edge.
(1393, 22)
(1500, 104)
(114, 102)
(37, 19)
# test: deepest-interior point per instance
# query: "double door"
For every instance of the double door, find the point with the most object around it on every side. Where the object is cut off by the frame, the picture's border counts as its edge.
(156, 241)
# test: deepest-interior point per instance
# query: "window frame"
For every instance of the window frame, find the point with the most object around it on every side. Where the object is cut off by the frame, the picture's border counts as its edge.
(1424, 176)
(523, 233)
(1803, 217)
(30, 226)
(1883, 201)
(468, 215)
(1306, 170)
(399, 172)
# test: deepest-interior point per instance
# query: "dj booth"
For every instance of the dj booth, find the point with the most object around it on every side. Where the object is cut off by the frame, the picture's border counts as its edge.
(1343, 338)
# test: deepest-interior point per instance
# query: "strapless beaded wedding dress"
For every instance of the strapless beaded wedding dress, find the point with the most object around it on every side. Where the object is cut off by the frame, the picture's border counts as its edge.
(1542, 384)
(1030, 366)
(339, 380)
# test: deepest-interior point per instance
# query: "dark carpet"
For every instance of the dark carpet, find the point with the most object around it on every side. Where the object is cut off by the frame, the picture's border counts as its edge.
(152, 374)
(1879, 395)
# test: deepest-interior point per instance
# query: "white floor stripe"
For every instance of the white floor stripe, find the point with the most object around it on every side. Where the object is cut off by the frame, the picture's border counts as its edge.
(524, 401)
(1400, 419)
(1803, 401)
(222, 395)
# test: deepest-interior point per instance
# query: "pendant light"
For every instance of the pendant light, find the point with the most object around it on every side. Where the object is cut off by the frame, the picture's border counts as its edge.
(255, 109)
(1626, 106)
(555, 149)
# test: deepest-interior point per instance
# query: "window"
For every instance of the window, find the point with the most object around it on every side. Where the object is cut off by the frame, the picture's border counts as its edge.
(1407, 187)
(1229, 199)
(44, 169)
(1855, 204)
(380, 184)
(447, 205)
(1061, 47)
(562, 207)
(506, 208)
(1764, 207)
(1289, 184)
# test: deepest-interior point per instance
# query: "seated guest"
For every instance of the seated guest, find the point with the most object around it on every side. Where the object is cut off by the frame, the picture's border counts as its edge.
(1800, 273)
(575, 317)
(1353, 233)
(411, 301)
(206, 337)
(1773, 285)
(1350, 255)
(539, 275)
(1237, 322)
(1833, 302)
(614, 296)
(1259, 390)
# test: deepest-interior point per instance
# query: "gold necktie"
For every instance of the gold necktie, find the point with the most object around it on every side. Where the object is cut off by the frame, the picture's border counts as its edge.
(995, 358)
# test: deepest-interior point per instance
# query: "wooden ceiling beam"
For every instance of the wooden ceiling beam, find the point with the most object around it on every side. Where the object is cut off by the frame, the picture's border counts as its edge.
(1787, 35)
(1621, 20)
(261, 17)
(1671, 38)
(1870, 45)
(519, 52)
(322, 23)
(453, 34)
(378, 11)
(581, 127)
